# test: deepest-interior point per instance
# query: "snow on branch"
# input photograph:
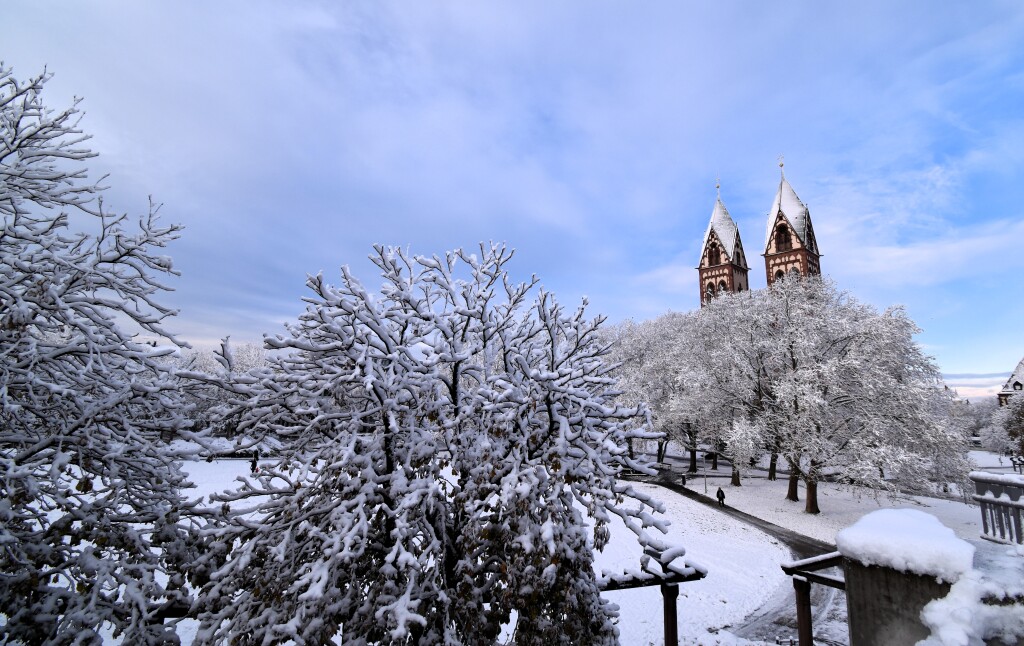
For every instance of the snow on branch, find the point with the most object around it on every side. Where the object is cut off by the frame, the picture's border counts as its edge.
(453, 431)
(93, 514)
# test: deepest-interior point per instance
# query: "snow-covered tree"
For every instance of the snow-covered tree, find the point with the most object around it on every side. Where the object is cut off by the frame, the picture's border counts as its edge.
(452, 437)
(1006, 430)
(210, 375)
(838, 387)
(976, 413)
(90, 497)
(728, 369)
(646, 355)
(858, 398)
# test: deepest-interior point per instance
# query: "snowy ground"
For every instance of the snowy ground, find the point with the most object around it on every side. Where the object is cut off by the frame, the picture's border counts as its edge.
(743, 572)
(743, 562)
(842, 506)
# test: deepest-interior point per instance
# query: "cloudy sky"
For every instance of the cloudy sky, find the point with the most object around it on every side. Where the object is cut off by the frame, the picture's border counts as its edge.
(290, 137)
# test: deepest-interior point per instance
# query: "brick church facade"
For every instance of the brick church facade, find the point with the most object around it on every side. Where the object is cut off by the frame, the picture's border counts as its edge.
(789, 248)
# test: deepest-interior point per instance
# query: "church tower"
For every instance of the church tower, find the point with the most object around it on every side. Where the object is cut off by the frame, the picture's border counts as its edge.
(789, 245)
(723, 265)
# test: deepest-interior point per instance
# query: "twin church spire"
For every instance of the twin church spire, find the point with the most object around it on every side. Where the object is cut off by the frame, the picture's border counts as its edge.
(790, 246)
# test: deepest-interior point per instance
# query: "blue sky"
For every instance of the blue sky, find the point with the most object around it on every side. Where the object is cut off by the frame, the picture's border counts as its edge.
(290, 137)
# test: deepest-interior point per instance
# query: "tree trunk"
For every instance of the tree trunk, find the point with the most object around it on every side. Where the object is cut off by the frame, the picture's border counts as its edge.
(793, 492)
(693, 461)
(811, 480)
(714, 462)
(773, 465)
(735, 476)
(812, 497)
(662, 450)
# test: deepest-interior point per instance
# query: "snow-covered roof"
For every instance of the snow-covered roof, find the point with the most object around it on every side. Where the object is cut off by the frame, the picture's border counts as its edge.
(724, 227)
(1015, 376)
(796, 212)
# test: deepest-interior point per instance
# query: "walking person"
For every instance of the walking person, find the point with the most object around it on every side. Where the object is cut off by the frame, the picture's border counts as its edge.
(721, 497)
(254, 466)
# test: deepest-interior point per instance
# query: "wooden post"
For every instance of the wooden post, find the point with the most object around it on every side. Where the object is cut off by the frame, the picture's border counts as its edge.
(669, 594)
(804, 633)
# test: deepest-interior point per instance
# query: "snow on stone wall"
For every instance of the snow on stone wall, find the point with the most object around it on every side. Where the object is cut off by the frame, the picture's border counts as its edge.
(909, 541)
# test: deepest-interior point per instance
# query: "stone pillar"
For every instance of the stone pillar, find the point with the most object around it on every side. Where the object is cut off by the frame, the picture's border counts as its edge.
(895, 562)
(884, 605)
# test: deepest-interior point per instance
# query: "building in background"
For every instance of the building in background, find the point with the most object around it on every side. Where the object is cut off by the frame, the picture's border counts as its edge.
(1014, 385)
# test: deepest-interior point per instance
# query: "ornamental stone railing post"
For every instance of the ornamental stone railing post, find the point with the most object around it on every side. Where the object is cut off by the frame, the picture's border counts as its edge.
(1001, 498)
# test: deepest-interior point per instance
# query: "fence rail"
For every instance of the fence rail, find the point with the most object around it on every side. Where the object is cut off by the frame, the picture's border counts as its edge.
(1001, 498)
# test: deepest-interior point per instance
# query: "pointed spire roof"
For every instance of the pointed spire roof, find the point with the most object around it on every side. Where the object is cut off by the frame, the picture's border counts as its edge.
(725, 228)
(1015, 376)
(796, 212)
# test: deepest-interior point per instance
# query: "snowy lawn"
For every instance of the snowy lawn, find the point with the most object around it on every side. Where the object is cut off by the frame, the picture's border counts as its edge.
(841, 506)
(743, 572)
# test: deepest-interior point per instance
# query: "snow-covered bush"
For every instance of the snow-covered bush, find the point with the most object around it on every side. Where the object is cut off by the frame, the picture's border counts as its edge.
(452, 437)
(88, 493)
(995, 438)
(1004, 431)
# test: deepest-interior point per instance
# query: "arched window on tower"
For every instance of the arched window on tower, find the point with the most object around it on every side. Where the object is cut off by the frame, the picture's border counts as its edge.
(779, 275)
(783, 240)
(714, 254)
(721, 287)
(710, 290)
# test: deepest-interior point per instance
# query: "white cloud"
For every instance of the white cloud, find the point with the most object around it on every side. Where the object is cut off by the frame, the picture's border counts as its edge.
(988, 249)
(288, 137)
(973, 387)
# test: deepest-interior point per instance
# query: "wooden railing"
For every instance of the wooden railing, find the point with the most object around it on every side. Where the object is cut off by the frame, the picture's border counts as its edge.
(668, 576)
(805, 573)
